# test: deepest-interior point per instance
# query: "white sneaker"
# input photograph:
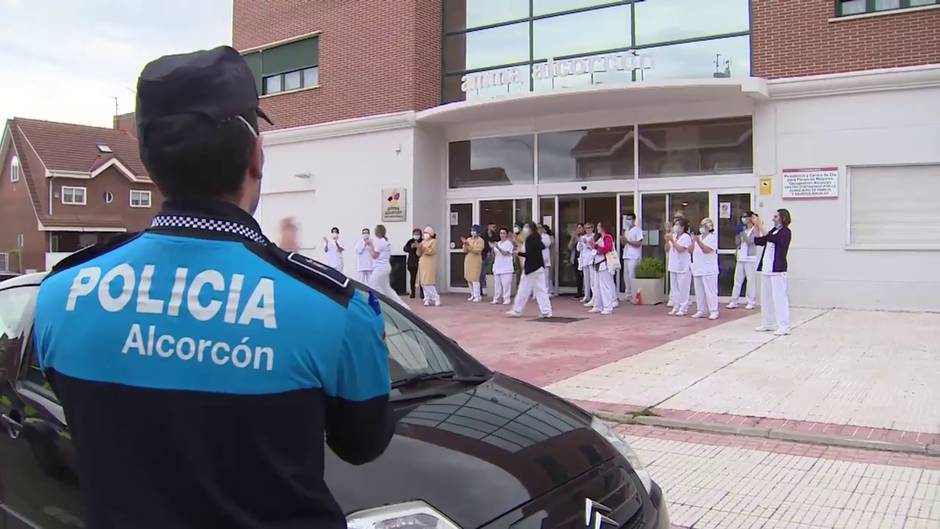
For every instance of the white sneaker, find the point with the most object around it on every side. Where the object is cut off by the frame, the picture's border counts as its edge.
(437, 303)
(507, 302)
(750, 306)
(545, 316)
(427, 303)
(681, 313)
(514, 314)
(583, 300)
(494, 302)
(588, 303)
(616, 304)
(732, 305)
(470, 298)
(477, 300)
(713, 316)
(595, 310)
(781, 332)
(673, 311)
(669, 304)
(765, 328)
(606, 312)
(698, 315)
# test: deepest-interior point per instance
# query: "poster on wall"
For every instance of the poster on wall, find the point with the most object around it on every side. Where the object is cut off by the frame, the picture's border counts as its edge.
(724, 210)
(816, 182)
(454, 218)
(394, 205)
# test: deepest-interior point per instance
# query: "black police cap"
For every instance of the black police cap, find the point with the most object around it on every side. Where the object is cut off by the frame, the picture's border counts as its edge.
(216, 83)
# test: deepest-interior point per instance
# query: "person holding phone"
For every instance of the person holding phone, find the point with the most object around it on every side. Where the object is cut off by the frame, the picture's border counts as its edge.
(503, 251)
(705, 270)
(746, 265)
(774, 295)
(679, 246)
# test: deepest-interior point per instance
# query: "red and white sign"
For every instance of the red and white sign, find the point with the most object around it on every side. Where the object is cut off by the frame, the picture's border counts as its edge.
(815, 182)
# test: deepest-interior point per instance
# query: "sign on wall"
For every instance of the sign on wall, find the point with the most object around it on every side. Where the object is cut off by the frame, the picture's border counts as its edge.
(625, 61)
(816, 182)
(394, 204)
(766, 185)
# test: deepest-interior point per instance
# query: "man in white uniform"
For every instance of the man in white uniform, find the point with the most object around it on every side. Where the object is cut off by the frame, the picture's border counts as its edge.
(632, 252)
(586, 264)
(364, 263)
(334, 249)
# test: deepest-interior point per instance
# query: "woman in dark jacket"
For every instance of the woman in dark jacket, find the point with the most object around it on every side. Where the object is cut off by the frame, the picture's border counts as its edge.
(533, 275)
(772, 266)
(411, 249)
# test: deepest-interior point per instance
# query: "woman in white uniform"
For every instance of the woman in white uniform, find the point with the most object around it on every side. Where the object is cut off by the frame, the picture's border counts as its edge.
(381, 251)
(364, 257)
(546, 234)
(334, 249)
(705, 270)
(503, 268)
(679, 245)
(746, 265)
(632, 252)
(606, 296)
(586, 263)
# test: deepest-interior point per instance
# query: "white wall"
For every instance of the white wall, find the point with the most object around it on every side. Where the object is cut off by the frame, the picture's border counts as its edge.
(878, 128)
(430, 184)
(347, 174)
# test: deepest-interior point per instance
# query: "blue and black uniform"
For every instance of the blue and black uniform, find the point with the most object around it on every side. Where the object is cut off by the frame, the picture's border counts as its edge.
(200, 366)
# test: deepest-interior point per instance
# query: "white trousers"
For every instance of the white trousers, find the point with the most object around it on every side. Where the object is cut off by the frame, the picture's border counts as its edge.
(706, 294)
(589, 277)
(364, 276)
(775, 301)
(606, 295)
(533, 284)
(745, 270)
(548, 280)
(430, 293)
(680, 283)
(629, 277)
(380, 282)
(475, 290)
(503, 287)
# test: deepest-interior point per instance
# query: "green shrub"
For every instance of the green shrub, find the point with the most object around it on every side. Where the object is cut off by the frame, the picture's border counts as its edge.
(650, 268)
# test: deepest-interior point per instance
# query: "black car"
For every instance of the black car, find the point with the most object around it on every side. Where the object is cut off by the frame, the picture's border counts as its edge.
(472, 448)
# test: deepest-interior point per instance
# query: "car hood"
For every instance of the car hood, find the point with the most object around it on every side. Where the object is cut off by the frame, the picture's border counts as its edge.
(475, 454)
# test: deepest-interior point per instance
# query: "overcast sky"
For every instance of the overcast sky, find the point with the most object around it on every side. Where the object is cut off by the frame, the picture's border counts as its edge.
(64, 60)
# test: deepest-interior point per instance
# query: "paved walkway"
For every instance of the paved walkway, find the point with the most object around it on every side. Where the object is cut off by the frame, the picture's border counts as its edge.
(718, 481)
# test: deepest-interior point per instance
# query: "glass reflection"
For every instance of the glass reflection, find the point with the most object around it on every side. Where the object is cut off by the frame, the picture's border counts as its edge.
(668, 20)
(491, 162)
(487, 47)
(596, 154)
(463, 14)
(590, 31)
(544, 7)
(717, 146)
(730, 57)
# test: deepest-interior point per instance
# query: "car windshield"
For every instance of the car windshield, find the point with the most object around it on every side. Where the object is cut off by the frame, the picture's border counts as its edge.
(411, 351)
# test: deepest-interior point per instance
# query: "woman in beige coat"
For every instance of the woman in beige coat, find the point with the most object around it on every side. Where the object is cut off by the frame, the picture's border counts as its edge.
(473, 262)
(427, 267)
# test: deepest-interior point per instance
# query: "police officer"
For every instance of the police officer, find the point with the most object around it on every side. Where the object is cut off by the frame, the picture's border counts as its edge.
(201, 367)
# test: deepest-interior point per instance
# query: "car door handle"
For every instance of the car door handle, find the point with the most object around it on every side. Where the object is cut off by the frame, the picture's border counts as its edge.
(13, 426)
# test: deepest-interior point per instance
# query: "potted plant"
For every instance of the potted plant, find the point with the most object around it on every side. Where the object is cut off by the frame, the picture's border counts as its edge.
(651, 285)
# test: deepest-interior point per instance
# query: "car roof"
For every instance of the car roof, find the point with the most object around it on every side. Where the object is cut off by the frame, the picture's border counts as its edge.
(24, 280)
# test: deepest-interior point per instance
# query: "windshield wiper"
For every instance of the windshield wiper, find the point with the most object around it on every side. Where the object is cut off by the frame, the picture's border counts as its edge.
(441, 375)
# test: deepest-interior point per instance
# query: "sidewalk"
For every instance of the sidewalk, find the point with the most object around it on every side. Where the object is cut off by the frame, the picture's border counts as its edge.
(856, 374)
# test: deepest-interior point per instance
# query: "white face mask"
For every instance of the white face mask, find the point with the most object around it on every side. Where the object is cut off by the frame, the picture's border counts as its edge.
(703, 230)
(526, 231)
(474, 233)
(744, 220)
(675, 229)
(335, 236)
(416, 235)
(515, 229)
(629, 224)
(365, 236)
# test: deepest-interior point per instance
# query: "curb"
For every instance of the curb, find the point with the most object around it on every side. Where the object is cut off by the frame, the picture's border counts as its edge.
(777, 434)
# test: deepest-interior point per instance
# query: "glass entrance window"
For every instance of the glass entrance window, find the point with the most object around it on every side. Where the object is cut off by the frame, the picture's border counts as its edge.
(670, 20)
(580, 155)
(491, 161)
(584, 32)
(691, 148)
(731, 207)
(469, 14)
(498, 212)
(727, 57)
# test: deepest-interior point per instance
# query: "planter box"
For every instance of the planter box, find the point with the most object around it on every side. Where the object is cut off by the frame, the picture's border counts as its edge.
(652, 290)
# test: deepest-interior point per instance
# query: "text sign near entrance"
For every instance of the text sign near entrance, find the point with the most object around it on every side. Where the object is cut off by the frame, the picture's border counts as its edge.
(817, 182)
(394, 205)
(626, 61)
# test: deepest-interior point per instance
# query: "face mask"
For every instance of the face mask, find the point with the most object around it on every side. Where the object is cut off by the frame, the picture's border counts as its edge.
(703, 230)
(416, 235)
(474, 233)
(335, 236)
(744, 220)
(365, 236)
(629, 224)
(675, 229)
(526, 231)
(515, 229)
(425, 236)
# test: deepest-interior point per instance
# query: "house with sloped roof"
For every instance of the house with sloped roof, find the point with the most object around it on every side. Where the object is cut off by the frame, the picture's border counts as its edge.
(65, 186)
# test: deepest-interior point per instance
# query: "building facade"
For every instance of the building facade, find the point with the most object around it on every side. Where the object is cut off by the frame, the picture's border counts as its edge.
(65, 186)
(478, 111)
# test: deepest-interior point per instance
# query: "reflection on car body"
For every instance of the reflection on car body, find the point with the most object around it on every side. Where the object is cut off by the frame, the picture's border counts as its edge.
(479, 449)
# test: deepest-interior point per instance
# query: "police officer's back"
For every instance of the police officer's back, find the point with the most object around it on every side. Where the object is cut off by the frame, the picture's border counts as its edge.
(199, 365)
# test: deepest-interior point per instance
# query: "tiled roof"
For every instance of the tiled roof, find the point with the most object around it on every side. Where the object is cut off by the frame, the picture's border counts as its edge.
(69, 147)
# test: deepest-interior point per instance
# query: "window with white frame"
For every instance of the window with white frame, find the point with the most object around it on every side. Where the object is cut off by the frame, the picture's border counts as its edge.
(74, 196)
(896, 206)
(140, 199)
(15, 169)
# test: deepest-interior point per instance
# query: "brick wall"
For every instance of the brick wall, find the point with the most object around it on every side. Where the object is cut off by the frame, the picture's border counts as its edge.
(127, 123)
(795, 38)
(19, 218)
(376, 56)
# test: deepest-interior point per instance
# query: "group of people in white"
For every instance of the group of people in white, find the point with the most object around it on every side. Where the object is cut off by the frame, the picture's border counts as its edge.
(522, 259)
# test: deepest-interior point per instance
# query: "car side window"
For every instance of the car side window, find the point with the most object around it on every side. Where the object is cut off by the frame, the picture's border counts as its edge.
(13, 303)
(411, 351)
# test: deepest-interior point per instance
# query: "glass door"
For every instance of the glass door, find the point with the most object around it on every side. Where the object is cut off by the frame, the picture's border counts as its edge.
(730, 207)
(570, 214)
(461, 219)
(627, 206)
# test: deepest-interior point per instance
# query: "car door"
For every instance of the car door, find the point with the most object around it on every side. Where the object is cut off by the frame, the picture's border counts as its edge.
(38, 484)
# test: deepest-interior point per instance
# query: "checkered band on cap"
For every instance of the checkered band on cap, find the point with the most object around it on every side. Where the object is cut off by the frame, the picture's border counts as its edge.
(198, 223)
